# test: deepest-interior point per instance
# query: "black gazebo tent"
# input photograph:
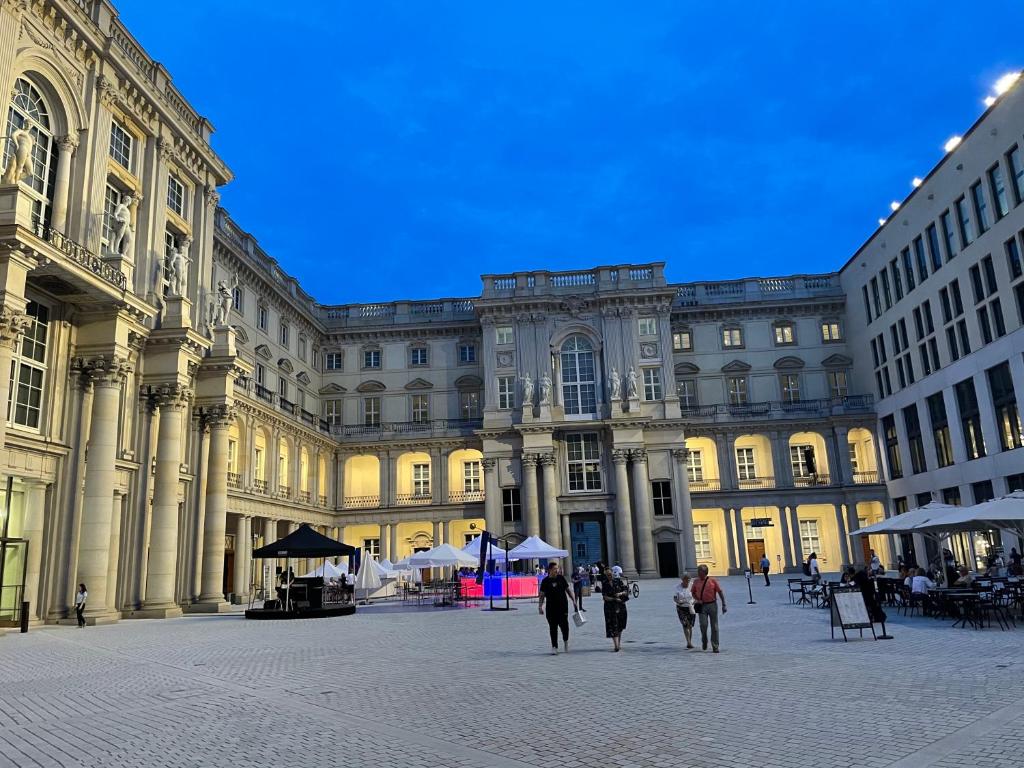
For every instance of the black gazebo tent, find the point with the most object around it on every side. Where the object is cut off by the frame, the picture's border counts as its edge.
(304, 542)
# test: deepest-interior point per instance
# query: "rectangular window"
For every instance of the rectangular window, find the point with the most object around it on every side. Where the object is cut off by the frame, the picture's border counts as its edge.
(874, 297)
(652, 384)
(915, 443)
(951, 496)
(702, 540)
(892, 447)
(831, 331)
(111, 198)
(1004, 400)
(282, 387)
(980, 207)
(421, 479)
(886, 293)
(686, 389)
(970, 419)
(28, 369)
(897, 281)
(746, 468)
(958, 302)
(661, 495)
(1016, 174)
(372, 548)
(947, 310)
(511, 509)
(809, 538)
(332, 412)
(471, 480)
(300, 349)
(284, 335)
(801, 460)
(922, 261)
(997, 187)
(933, 247)
(175, 195)
(333, 361)
(989, 271)
(737, 390)
(648, 326)
(695, 466)
(371, 411)
(261, 374)
(965, 342)
(946, 220)
(121, 142)
(995, 309)
(908, 269)
(837, 385)
(503, 334)
(732, 337)
(982, 491)
(418, 356)
(420, 409)
(583, 461)
(963, 217)
(682, 341)
(469, 405)
(371, 358)
(261, 318)
(918, 324)
(467, 353)
(940, 430)
(506, 393)
(867, 304)
(238, 299)
(1013, 260)
(784, 334)
(790, 384)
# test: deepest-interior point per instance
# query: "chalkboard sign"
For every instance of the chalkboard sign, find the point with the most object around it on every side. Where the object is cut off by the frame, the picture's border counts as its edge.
(761, 522)
(849, 611)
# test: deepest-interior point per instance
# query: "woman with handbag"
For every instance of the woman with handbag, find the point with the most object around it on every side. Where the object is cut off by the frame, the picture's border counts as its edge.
(684, 608)
(706, 591)
(615, 595)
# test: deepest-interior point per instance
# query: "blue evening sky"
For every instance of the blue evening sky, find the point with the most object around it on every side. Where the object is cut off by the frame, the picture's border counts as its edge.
(386, 150)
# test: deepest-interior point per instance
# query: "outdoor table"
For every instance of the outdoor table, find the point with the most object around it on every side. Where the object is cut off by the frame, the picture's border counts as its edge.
(964, 600)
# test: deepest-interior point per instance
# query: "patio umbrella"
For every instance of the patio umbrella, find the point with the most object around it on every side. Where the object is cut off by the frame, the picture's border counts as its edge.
(1005, 513)
(909, 522)
(367, 579)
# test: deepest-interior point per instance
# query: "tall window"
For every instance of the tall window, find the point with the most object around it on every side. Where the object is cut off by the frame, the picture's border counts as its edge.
(746, 468)
(421, 479)
(261, 318)
(1004, 400)
(121, 145)
(963, 217)
(946, 220)
(371, 411)
(1013, 160)
(583, 454)
(912, 423)
(175, 195)
(111, 198)
(737, 390)
(997, 187)
(467, 354)
(333, 361)
(695, 466)
(511, 510)
(28, 370)
(980, 207)
(28, 112)
(790, 383)
(784, 334)
(661, 495)
(702, 540)
(471, 482)
(469, 405)
(970, 418)
(371, 358)
(285, 330)
(682, 341)
(238, 299)
(332, 412)
(940, 430)
(420, 409)
(652, 384)
(1013, 259)
(261, 374)
(733, 337)
(579, 385)
(801, 460)
(282, 387)
(687, 391)
(810, 541)
(647, 326)
(418, 356)
(837, 385)
(892, 447)
(506, 393)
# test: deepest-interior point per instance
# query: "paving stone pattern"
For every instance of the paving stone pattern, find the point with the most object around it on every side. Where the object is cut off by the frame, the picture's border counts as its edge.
(466, 688)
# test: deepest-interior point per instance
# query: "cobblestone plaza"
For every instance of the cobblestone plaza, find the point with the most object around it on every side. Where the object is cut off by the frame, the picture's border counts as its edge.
(441, 687)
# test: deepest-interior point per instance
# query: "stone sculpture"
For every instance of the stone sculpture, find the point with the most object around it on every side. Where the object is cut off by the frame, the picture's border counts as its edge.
(225, 299)
(527, 389)
(545, 390)
(631, 385)
(616, 384)
(19, 164)
(177, 266)
(122, 240)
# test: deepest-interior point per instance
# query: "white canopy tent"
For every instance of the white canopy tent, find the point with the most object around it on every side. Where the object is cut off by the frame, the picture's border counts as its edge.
(495, 553)
(535, 548)
(441, 556)
(326, 571)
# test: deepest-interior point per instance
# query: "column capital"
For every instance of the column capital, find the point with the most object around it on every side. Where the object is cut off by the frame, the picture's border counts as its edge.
(680, 455)
(108, 90)
(489, 463)
(638, 455)
(212, 196)
(547, 459)
(68, 143)
(13, 323)
(103, 371)
(529, 459)
(171, 396)
(620, 456)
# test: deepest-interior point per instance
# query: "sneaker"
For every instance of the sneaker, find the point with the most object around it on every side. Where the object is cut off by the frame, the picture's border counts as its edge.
(565, 646)
(704, 646)
(716, 650)
(554, 651)
(689, 646)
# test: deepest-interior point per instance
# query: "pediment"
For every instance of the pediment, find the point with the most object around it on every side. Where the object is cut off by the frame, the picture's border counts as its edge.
(332, 389)
(788, 363)
(736, 366)
(241, 337)
(371, 386)
(837, 361)
(262, 350)
(285, 365)
(469, 382)
(419, 384)
(686, 369)
(302, 376)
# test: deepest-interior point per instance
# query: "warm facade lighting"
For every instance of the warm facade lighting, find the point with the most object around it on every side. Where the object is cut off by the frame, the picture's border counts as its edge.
(952, 144)
(989, 101)
(1004, 83)
(881, 222)
(917, 182)
(894, 205)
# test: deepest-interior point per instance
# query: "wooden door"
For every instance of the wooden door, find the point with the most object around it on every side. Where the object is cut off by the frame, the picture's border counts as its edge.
(229, 572)
(865, 545)
(755, 551)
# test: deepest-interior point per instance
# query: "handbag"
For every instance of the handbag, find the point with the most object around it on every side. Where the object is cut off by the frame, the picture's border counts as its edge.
(578, 619)
(698, 605)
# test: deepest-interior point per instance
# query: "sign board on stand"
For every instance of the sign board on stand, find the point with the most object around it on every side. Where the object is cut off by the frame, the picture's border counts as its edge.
(761, 522)
(848, 611)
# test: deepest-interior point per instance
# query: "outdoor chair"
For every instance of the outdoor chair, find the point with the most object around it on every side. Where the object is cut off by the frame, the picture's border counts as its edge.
(910, 602)
(796, 591)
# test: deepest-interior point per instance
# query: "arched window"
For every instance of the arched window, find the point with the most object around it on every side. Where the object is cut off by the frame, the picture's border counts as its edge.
(579, 386)
(28, 111)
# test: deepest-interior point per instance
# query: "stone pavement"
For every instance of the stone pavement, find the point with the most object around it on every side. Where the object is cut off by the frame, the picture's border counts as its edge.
(472, 689)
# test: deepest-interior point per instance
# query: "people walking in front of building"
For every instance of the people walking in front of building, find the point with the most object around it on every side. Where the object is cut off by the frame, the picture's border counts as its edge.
(813, 569)
(876, 564)
(684, 608)
(80, 597)
(556, 593)
(706, 592)
(615, 595)
(577, 588)
(766, 567)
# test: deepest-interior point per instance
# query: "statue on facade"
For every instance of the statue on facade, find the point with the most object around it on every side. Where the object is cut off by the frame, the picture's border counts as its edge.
(616, 385)
(527, 389)
(177, 264)
(19, 163)
(545, 390)
(122, 241)
(631, 384)
(225, 299)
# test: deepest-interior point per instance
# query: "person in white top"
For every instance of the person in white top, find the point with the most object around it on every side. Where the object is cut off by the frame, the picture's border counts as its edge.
(919, 583)
(684, 608)
(876, 564)
(812, 566)
(80, 597)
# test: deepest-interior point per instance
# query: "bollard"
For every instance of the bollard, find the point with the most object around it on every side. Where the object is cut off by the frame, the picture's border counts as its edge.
(24, 616)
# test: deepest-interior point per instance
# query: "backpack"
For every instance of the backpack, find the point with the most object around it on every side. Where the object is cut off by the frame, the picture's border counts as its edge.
(807, 568)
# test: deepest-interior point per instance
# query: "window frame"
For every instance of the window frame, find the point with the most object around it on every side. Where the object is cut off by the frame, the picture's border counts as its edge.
(584, 473)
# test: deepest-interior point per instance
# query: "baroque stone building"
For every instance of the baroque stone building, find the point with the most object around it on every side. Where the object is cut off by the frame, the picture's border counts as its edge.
(176, 398)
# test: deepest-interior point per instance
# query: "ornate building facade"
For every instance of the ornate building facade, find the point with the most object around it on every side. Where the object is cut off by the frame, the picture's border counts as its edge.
(176, 398)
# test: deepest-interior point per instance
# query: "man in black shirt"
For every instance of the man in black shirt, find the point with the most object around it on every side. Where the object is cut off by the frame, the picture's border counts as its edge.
(556, 592)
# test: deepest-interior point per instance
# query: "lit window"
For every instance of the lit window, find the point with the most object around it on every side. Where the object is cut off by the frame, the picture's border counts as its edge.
(418, 356)
(471, 481)
(421, 480)
(837, 386)
(579, 383)
(121, 145)
(583, 459)
(420, 409)
(503, 334)
(506, 393)
(467, 353)
(682, 341)
(648, 326)
(469, 405)
(28, 369)
(830, 331)
(333, 361)
(784, 334)
(371, 411)
(695, 466)
(371, 358)
(732, 337)
(746, 467)
(702, 541)
(175, 195)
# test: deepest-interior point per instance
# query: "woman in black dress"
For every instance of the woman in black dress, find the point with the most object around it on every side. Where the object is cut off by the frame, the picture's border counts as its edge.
(615, 594)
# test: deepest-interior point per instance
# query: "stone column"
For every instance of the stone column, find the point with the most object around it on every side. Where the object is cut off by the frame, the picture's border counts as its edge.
(62, 187)
(385, 542)
(211, 596)
(726, 461)
(780, 458)
(13, 323)
(202, 432)
(642, 512)
(798, 547)
(842, 449)
(35, 504)
(730, 539)
(741, 540)
(239, 588)
(163, 539)
(567, 542)
(269, 537)
(100, 473)
(531, 513)
(552, 528)
(685, 506)
(844, 542)
(492, 497)
(393, 544)
(787, 545)
(623, 514)
(114, 565)
(609, 538)
(852, 524)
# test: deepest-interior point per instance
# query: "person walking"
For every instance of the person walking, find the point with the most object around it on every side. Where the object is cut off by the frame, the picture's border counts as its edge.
(766, 567)
(577, 588)
(684, 608)
(706, 591)
(557, 594)
(876, 564)
(615, 595)
(813, 569)
(80, 597)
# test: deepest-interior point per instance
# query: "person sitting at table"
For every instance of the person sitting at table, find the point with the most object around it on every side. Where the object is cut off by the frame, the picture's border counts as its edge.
(920, 584)
(965, 579)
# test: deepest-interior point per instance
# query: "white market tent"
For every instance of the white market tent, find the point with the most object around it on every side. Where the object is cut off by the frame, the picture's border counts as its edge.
(386, 564)
(909, 522)
(441, 556)
(535, 548)
(327, 571)
(496, 552)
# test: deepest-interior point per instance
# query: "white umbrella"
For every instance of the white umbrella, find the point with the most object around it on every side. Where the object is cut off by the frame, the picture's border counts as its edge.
(535, 548)
(909, 522)
(367, 579)
(1005, 512)
(387, 565)
(440, 556)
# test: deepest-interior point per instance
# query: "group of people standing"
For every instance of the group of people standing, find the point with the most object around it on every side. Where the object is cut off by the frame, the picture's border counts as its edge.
(699, 599)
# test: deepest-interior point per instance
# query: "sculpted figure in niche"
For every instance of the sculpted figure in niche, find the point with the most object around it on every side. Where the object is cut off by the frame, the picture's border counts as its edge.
(527, 389)
(631, 389)
(177, 264)
(545, 390)
(225, 298)
(616, 384)
(19, 164)
(122, 241)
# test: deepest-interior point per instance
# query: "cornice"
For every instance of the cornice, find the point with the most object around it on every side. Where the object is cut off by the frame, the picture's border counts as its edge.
(767, 310)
